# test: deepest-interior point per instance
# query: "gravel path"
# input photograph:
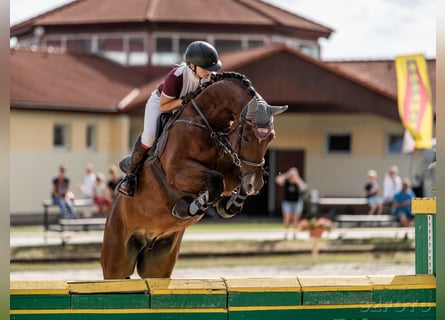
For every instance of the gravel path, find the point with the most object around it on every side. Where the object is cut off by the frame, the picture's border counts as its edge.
(266, 271)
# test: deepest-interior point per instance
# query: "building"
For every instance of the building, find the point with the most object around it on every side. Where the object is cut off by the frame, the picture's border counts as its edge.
(94, 64)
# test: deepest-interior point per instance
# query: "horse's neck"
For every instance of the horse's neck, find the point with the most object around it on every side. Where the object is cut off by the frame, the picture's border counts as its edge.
(223, 102)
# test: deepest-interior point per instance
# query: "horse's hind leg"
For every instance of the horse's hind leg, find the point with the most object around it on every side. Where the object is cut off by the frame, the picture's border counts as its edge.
(118, 258)
(159, 260)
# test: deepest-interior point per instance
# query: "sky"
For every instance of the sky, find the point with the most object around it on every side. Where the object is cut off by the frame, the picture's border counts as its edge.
(363, 29)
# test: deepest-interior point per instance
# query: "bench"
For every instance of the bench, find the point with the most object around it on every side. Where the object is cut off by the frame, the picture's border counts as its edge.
(79, 224)
(56, 223)
(365, 220)
(343, 201)
(330, 206)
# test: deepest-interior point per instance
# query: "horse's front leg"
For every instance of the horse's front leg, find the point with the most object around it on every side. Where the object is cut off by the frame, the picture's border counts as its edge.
(228, 207)
(210, 185)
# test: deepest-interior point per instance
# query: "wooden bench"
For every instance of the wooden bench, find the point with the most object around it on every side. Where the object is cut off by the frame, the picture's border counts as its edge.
(330, 206)
(365, 220)
(78, 203)
(343, 201)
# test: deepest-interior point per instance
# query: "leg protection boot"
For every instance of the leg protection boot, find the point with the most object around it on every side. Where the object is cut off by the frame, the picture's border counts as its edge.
(128, 184)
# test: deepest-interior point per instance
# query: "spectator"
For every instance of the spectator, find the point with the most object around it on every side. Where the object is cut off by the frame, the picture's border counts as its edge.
(61, 194)
(372, 193)
(392, 183)
(99, 195)
(292, 205)
(113, 181)
(402, 204)
(89, 181)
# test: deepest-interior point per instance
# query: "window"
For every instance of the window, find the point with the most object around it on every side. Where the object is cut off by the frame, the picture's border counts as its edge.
(91, 137)
(227, 45)
(54, 43)
(339, 143)
(255, 43)
(60, 136)
(113, 49)
(79, 45)
(394, 143)
(164, 53)
(310, 50)
(136, 52)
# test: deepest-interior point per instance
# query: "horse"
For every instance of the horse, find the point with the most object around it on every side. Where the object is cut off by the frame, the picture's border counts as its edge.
(209, 156)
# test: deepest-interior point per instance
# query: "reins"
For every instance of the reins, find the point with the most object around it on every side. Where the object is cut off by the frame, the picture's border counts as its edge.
(222, 141)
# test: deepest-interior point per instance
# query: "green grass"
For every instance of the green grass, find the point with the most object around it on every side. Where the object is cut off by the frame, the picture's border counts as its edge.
(267, 260)
(200, 226)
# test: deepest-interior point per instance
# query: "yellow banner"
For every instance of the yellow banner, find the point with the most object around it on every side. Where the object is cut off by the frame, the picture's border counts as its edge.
(414, 99)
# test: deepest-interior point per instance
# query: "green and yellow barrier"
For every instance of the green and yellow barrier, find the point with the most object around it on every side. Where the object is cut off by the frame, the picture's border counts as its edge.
(310, 298)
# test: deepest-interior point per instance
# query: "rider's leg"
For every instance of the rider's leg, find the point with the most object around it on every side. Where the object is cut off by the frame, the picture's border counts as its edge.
(138, 156)
(152, 112)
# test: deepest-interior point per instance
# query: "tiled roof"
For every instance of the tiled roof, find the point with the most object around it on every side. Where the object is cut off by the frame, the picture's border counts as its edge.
(381, 74)
(235, 60)
(88, 83)
(217, 12)
(62, 81)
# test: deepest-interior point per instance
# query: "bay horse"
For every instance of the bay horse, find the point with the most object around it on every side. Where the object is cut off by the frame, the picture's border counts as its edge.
(211, 155)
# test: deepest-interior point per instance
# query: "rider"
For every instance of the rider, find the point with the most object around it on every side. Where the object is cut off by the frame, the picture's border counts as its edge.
(201, 59)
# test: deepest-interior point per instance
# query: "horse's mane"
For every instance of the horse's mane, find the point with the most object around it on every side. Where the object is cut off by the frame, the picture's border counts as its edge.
(218, 77)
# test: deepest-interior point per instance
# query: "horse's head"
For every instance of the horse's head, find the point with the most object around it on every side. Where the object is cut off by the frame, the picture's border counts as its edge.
(256, 132)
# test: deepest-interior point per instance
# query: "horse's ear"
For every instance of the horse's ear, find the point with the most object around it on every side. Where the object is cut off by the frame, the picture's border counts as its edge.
(252, 106)
(277, 109)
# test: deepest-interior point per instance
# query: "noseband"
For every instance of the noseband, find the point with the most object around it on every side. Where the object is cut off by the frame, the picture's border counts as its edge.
(222, 141)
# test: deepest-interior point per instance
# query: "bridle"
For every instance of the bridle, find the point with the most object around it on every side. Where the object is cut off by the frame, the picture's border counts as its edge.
(222, 139)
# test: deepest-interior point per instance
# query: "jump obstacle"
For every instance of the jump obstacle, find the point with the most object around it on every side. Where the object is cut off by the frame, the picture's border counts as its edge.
(329, 298)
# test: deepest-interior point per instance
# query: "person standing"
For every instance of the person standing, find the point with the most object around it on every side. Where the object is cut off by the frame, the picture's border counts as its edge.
(61, 194)
(292, 205)
(201, 59)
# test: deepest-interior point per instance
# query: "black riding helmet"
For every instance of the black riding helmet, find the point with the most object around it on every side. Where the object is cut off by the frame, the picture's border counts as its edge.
(203, 54)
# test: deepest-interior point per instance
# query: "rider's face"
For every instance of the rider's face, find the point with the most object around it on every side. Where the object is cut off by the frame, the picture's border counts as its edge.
(202, 73)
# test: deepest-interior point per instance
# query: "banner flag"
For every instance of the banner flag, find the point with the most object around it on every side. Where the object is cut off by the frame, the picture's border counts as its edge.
(414, 99)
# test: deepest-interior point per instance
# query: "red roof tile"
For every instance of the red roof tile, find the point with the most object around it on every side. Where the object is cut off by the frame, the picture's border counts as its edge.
(381, 74)
(218, 12)
(68, 82)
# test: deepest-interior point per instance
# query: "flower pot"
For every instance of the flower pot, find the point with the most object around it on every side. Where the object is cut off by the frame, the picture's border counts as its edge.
(316, 232)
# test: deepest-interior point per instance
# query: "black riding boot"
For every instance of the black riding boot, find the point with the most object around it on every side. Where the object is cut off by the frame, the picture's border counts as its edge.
(128, 184)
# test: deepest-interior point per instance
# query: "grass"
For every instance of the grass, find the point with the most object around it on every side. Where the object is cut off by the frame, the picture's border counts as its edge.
(267, 260)
(199, 227)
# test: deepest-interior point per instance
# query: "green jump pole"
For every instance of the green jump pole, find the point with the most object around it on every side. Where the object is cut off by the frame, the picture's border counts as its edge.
(424, 210)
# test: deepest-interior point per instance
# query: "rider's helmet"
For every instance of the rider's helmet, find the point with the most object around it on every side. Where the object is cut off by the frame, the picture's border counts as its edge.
(203, 54)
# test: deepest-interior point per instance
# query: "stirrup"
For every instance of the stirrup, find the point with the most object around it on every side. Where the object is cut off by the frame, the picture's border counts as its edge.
(127, 186)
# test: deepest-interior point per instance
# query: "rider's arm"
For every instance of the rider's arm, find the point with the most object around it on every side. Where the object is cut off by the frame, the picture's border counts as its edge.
(168, 104)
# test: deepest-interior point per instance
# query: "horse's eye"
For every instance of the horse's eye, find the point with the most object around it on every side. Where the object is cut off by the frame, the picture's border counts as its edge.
(246, 139)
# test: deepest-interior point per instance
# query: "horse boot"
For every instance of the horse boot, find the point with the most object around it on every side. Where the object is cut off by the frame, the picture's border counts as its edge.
(229, 207)
(187, 208)
(127, 185)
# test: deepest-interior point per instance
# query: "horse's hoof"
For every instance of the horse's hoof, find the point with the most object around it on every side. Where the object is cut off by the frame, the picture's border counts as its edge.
(181, 209)
(223, 212)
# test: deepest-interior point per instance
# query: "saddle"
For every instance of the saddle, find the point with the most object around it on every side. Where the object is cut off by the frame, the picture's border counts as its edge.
(152, 160)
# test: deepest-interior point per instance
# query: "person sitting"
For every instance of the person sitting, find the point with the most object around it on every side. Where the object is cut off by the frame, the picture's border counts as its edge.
(61, 194)
(99, 195)
(402, 204)
(372, 193)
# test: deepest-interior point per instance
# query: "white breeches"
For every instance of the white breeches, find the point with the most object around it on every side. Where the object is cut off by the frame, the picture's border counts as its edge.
(152, 113)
